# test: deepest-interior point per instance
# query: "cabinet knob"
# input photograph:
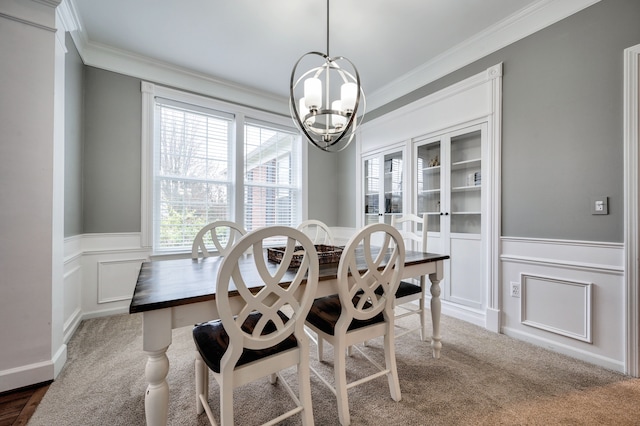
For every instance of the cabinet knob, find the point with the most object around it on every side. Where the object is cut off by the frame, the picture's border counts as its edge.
(441, 213)
(446, 214)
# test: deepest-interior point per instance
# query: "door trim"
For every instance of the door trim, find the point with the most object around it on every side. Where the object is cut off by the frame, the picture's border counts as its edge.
(632, 207)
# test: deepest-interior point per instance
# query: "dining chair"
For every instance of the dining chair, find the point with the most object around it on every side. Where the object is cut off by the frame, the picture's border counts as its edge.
(216, 239)
(318, 231)
(357, 313)
(408, 292)
(260, 340)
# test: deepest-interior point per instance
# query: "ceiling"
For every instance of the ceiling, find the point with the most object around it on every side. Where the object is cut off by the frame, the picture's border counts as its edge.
(254, 44)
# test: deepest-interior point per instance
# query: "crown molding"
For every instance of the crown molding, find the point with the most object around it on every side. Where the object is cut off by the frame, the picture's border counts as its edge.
(511, 29)
(120, 61)
(50, 3)
(526, 22)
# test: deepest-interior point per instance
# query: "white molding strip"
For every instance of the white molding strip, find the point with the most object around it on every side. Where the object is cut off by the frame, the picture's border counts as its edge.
(29, 374)
(145, 68)
(526, 22)
(574, 352)
(631, 131)
(563, 264)
(518, 26)
(111, 242)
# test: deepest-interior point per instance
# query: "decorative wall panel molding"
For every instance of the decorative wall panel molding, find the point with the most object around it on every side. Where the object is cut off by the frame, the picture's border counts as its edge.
(117, 279)
(572, 297)
(556, 305)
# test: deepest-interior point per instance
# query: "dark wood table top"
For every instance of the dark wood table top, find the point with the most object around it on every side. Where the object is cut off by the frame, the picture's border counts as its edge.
(166, 283)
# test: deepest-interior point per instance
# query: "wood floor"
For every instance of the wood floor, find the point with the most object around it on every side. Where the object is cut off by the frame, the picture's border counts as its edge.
(17, 406)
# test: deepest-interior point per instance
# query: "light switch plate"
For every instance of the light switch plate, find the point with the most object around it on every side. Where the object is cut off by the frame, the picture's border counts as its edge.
(599, 205)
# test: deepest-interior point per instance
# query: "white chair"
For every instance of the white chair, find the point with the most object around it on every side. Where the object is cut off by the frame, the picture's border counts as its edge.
(408, 292)
(357, 313)
(318, 231)
(260, 340)
(216, 239)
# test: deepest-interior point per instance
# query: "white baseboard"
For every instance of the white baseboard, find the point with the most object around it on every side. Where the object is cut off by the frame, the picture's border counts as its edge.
(25, 375)
(105, 313)
(59, 360)
(71, 325)
(455, 311)
(608, 363)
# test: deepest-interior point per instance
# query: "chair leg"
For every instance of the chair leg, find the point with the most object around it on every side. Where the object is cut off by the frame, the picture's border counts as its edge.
(226, 400)
(202, 382)
(304, 384)
(340, 370)
(273, 378)
(423, 311)
(320, 345)
(390, 362)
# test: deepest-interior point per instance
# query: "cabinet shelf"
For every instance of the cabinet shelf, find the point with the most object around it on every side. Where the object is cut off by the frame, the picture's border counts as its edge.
(466, 188)
(465, 164)
(429, 191)
(466, 213)
(431, 169)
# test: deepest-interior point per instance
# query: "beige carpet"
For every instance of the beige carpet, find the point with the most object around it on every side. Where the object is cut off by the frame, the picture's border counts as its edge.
(482, 378)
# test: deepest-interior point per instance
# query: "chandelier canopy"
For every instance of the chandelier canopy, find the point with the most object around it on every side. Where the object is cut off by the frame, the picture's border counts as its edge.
(325, 99)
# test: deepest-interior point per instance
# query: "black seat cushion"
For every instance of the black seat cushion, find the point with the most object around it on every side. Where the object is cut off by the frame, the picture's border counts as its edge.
(212, 341)
(404, 289)
(325, 312)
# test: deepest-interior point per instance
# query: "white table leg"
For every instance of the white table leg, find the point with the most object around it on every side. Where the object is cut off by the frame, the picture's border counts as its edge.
(156, 338)
(156, 399)
(436, 308)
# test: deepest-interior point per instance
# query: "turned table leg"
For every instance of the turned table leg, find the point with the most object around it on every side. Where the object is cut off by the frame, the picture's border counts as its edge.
(436, 308)
(156, 338)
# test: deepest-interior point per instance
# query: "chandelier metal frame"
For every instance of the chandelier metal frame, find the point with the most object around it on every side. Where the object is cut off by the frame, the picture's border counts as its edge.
(326, 127)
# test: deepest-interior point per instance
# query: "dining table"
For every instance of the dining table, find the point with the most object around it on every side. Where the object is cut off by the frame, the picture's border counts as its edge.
(176, 293)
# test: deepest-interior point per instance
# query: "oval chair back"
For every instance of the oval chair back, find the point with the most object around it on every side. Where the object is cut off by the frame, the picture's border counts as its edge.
(318, 231)
(220, 235)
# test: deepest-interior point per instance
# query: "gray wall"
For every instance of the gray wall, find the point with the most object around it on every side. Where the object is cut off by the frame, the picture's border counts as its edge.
(113, 122)
(562, 139)
(73, 116)
(323, 185)
(111, 190)
(561, 143)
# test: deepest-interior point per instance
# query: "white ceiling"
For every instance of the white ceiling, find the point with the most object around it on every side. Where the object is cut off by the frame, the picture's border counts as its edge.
(255, 43)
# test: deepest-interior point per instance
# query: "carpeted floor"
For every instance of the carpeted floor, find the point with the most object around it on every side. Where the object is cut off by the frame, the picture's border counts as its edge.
(482, 378)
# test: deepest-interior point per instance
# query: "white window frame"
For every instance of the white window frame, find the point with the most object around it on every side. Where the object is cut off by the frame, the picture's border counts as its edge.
(149, 92)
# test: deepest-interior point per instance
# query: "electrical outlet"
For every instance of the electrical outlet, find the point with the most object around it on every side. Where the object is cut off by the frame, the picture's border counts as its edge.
(515, 289)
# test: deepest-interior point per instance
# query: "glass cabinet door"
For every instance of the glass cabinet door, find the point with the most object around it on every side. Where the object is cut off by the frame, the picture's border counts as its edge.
(393, 194)
(466, 183)
(371, 190)
(383, 180)
(429, 184)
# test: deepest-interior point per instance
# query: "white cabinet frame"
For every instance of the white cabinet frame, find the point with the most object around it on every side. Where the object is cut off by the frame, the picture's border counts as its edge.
(474, 100)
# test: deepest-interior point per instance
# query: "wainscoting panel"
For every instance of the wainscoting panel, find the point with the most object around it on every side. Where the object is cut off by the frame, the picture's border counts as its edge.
(116, 279)
(73, 281)
(555, 305)
(571, 297)
(110, 266)
(72, 300)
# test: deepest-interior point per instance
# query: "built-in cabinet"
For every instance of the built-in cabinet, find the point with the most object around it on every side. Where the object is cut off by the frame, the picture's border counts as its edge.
(448, 189)
(442, 178)
(442, 157)
(384, 185)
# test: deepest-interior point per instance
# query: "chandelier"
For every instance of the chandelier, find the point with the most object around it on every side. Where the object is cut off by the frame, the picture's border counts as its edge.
(324, 100)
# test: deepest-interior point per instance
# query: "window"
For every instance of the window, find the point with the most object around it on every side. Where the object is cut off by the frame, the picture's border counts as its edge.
(205, 160)
(271, 176)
